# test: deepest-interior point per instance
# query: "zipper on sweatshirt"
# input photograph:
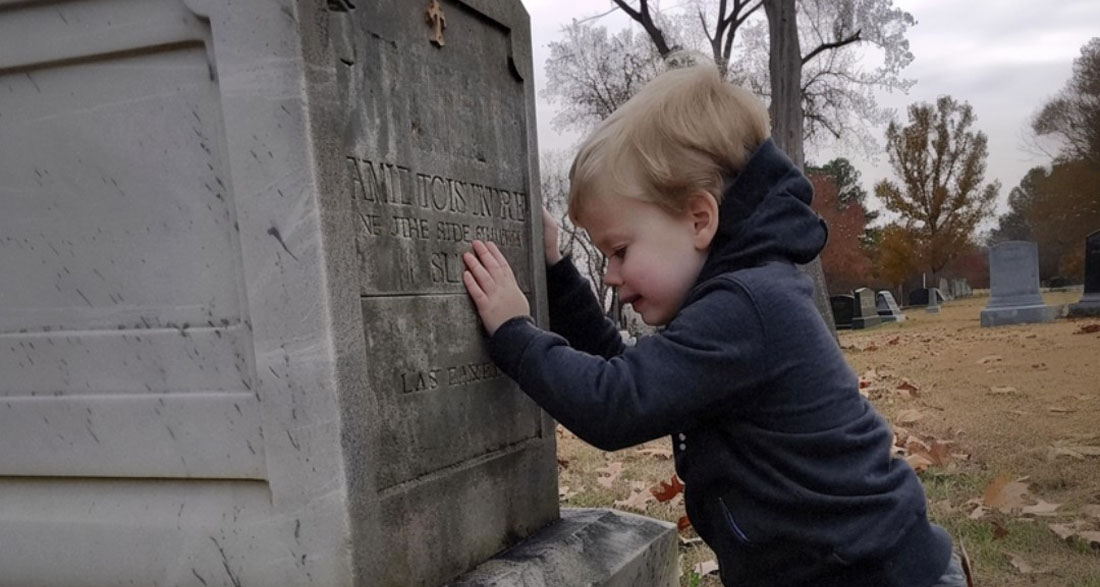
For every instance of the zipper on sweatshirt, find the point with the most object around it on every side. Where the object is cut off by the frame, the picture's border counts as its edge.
(733, 523)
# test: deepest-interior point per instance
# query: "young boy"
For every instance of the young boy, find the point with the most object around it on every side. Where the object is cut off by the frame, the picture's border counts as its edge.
(787, 469)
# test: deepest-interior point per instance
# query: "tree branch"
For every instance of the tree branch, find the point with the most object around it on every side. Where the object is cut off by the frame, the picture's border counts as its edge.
(854, 37)
(644, 18)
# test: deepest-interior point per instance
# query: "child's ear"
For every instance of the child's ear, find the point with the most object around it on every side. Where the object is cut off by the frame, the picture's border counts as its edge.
(702, 210)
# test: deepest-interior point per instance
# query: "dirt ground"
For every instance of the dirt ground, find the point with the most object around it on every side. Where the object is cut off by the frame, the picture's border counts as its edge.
(1002, 423)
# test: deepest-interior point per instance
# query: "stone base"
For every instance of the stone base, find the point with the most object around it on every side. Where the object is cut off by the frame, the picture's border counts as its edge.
(932, 309)
(891, 318)
(1019, 315)
(861, 323)
(586, 547)
(1084, 308)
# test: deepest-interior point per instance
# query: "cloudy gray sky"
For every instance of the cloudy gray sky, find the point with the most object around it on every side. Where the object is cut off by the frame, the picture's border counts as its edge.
(1004, 57)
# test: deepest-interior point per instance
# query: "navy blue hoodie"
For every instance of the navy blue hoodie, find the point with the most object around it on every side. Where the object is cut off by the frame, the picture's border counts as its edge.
(787, 469)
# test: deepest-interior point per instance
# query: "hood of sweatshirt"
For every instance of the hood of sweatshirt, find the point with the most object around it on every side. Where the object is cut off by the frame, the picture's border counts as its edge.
(765, 216)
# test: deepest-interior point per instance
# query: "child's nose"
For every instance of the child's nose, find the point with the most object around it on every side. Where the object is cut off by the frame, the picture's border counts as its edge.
(611, 274)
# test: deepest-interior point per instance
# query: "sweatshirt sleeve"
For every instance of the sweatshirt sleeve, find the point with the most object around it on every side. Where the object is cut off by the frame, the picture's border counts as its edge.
(707, 361)
(576, 314)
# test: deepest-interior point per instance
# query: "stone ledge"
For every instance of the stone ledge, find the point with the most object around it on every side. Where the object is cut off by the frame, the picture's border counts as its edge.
(586, 547)
(1023, 315)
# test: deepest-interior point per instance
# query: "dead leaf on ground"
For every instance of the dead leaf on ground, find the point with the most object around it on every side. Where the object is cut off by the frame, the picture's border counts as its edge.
(658, 452)
(1088, 329)
(978, 513)
(637, 501)
(1019, 564)
(990, 359)
(999, 531)
(1003, 390)
(1012, 497)
(1077, 451)
(1041, 508)
(912, 416)
(1061, 410)
(563, 463)
(1004, 494)
(1091, 510)
(705, 568)
(907, 385)
(1074, 531)
(609, 474)
(683, 524)
(919, 462)
(666, 491)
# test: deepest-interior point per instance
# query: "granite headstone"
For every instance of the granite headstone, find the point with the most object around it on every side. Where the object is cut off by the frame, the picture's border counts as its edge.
(887, 307)
(239, 351)
(925, 296)
(844, 310)
(1014, 286)
(865, 314)
(1089, 304)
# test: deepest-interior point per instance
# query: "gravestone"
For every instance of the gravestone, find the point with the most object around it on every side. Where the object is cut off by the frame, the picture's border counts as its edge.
(1089, 304)
(945, 289)
(844, 310)
(865, 314)
(239, 351)
(960, 288)
(887, 307)
(925, 296)
(1014, 286)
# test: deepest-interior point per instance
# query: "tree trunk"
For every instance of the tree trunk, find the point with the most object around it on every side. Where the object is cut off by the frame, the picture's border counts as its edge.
(785, 68)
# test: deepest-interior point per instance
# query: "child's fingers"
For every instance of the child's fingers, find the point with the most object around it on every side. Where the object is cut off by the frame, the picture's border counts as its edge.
(475, 291)
(485, 255)
(499, 256)
(478, 270)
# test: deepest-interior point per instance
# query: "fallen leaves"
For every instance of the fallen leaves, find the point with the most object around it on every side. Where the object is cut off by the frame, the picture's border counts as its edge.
(705, 568)
(1088, 329)
(910, 416)
(990, 359)
(660, 453)
(637, 501)
(1011, 497)
(1074, 448)
(608, 474)
(1077, 530)
(666, 491)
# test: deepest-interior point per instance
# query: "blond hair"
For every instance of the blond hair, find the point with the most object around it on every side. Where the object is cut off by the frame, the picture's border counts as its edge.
(685, 131)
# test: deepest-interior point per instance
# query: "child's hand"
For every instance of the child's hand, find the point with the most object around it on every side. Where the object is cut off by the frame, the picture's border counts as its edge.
(550, 238)
(492, 285)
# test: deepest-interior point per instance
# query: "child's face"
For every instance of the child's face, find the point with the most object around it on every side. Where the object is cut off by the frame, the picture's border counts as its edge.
(653, 256)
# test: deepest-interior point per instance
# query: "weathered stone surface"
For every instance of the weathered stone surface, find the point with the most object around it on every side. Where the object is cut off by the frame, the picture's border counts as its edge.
(887, 307)
(238, 343)
(598, 548)
(865, 315)
(844, 310)
(1089, 305)
(1014, 286)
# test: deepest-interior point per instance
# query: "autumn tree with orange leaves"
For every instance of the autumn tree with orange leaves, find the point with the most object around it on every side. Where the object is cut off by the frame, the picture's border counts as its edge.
(940, 163)
(846, 265)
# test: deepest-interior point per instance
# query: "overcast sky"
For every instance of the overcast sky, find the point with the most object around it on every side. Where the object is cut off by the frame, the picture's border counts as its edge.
(1004, 57)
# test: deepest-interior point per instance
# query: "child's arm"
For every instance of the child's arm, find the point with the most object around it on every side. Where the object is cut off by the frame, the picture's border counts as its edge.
(706, 361)
(574, 311)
